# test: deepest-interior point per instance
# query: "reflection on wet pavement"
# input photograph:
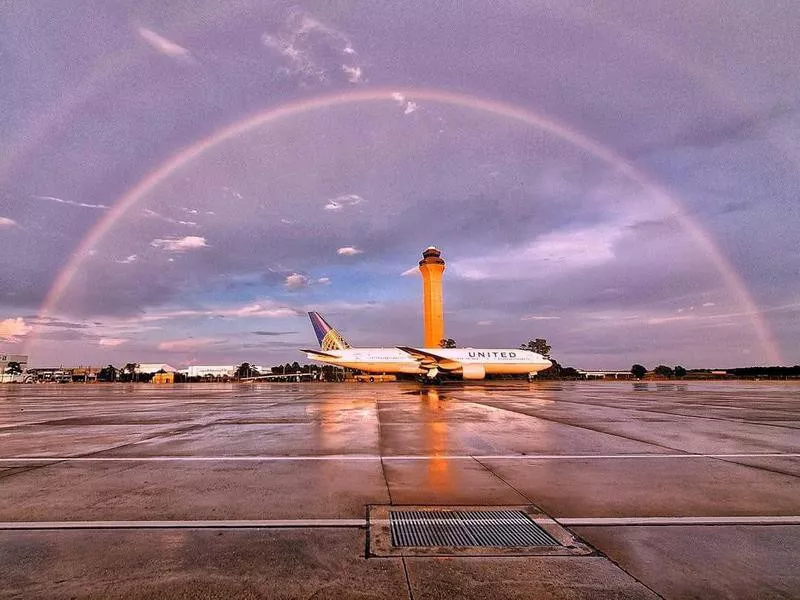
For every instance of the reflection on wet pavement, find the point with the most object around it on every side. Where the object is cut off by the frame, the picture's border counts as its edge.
(268, 452)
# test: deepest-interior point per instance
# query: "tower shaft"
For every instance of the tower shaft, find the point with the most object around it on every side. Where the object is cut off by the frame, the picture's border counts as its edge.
(432, 268)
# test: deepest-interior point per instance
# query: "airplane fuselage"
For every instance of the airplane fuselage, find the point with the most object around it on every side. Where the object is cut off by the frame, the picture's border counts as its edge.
(475, 362)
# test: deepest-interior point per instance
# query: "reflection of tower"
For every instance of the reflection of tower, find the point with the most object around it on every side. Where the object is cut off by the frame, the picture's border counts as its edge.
(440, 475)
(432, 267)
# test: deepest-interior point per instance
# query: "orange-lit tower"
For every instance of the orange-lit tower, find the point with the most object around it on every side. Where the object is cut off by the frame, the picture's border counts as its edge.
(432, 267)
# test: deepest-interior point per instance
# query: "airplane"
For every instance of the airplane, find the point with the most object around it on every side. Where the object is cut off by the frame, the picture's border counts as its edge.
(430, 363)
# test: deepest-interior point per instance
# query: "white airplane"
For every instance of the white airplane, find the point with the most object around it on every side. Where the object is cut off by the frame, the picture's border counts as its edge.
(469, 363)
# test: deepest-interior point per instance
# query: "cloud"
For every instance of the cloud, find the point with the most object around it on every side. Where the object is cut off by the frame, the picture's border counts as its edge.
(573, 249)
(707, 304)
(346, 200)
(72, 202)
(411, 271)
(258, 309)
(670, 319)
(127, 260)
(539, 318)
(349, 251)
(272, 333)
(296, 281)
(151, 213)
(485, 323)
(408, 106)
(164, 46)
(236, 194)
(265, 308)
(6, 223)
(354, 74)
(53, 322)
(314, 52)
(324, 280)
(13, 329)
(111, 341)
(186, 345)
(190, 242)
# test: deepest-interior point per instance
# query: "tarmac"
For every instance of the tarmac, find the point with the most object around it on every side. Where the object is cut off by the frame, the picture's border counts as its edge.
(677, 490)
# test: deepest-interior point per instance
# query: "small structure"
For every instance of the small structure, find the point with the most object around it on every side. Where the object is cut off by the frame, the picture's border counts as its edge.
(84, 374)
(164, 377)
(605, 374)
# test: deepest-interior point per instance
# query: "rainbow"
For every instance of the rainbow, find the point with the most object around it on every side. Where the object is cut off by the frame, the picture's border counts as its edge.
(501, 109)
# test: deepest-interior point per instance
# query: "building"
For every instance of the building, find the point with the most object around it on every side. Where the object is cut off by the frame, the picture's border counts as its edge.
(163, 377)
(6, 360)
(209, 371)
(153, 368)
(432, 268)
(85, 374)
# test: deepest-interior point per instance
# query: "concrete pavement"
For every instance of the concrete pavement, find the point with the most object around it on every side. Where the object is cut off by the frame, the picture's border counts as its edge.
(281, 458)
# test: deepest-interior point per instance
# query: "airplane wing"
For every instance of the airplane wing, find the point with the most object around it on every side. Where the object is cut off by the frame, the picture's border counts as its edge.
(430, 360)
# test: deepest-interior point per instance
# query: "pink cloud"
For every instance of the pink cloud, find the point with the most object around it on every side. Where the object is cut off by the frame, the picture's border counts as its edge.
(13, 329)
(185, 345)
(190, 242)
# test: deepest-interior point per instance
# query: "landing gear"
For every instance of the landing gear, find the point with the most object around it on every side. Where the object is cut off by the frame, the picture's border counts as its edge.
(431, 377)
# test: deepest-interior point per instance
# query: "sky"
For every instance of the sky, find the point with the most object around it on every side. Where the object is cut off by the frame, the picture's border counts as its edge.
(181, 182)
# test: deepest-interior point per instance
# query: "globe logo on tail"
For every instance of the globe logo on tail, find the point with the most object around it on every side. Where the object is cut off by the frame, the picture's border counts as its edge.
(328, 337)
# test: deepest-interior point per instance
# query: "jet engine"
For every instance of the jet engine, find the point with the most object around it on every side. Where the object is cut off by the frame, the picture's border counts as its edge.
(473, 372)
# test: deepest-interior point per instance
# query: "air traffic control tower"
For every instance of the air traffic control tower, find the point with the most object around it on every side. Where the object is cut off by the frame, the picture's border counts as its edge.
(432, 267)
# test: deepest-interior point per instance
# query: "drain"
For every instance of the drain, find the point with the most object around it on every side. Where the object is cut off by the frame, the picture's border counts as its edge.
(461, 528)
(430, 530)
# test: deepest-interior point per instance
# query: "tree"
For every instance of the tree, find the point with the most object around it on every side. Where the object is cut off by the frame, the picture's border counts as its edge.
(447, 343)
(244, 371)
(663, 370)
(128, 372)
(108, 373)
(539, 345)
(551, 372)
(680, 371)
(13, 368)
(570, 373)
(638, 371)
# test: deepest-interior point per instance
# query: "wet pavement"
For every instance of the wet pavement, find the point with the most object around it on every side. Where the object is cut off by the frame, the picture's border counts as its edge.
(262, 490)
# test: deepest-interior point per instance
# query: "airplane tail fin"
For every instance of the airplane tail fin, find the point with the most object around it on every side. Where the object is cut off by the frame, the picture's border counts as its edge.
(328, 337)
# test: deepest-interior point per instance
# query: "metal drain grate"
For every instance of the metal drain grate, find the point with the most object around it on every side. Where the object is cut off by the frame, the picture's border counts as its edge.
(496, 528)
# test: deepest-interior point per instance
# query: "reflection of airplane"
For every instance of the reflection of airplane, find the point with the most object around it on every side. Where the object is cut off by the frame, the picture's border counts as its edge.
(468, 363)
